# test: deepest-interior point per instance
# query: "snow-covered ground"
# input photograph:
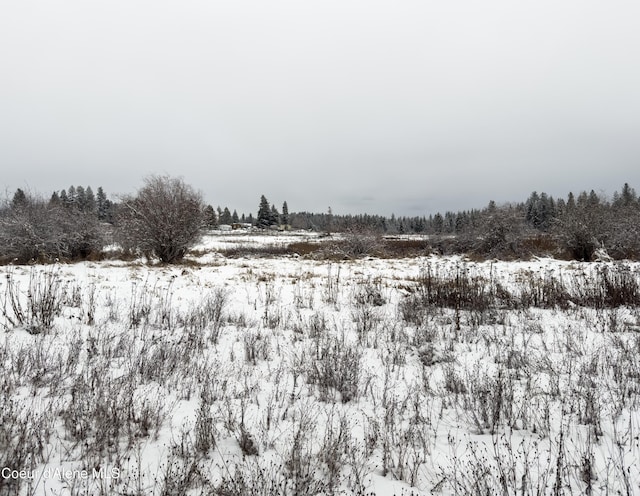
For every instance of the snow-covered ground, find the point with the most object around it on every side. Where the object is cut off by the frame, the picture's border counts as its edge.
(287, 375)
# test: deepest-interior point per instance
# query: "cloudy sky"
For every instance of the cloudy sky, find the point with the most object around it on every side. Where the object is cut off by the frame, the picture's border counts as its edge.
(394, 106)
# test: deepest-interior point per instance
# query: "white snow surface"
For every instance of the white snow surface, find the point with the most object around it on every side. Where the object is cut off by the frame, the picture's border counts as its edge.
(137, 369)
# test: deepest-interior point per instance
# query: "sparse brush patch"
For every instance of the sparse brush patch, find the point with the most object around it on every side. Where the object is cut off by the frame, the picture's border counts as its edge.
(24, 438)
(208, 316)
(355, 244)
(334, 367)
(404, 248)
(614, 286)
(36, 309)
(204, 430)
(547, 291)
(306, 248)
(301, 464)
(256, 346)
(262, 250)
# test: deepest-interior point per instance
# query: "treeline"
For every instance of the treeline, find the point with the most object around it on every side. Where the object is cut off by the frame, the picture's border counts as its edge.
(76, 223)
(575, 227)
(268, 216)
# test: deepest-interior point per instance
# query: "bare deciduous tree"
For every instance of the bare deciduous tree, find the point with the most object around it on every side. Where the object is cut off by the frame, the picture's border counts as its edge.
(163, 219)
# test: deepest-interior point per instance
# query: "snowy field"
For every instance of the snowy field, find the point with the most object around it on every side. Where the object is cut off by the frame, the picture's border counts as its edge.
(292, 375)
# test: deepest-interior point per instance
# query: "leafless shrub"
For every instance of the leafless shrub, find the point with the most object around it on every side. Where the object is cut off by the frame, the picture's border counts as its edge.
(317, 325)
(358, 243)
(24, 437)
(301, 465)
(103, 412)
(43, 300)
(489, 399)
(614, 286)
(334, 367)
(39, 231)
(502, 467)
(139, 304)
(256, 346)
(369, 292)
(164, 218)
(204, 427)
(208, 315)
(546, 291)
(183, 471)
(162, 360)
(252, 477)
(366, 318)
(332, 286)
(459, 289)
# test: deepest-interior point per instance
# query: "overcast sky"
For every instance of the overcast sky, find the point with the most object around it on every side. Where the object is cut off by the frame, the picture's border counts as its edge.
(398, 106)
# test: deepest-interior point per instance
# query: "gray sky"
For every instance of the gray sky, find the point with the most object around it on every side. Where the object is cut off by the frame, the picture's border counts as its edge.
(405, 107)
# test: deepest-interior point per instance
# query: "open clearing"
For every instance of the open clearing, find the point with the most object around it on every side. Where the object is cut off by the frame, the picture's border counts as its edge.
(293, 375)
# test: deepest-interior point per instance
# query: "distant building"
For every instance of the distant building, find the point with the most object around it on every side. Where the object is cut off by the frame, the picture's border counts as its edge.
(241, 225)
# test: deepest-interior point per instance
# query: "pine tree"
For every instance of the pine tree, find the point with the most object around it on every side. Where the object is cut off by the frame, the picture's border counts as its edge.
(438, 223)
(226, 218)
(234, 217)
(274, 217)
(72, 196)
(627, 197)
(101, 204)
(19, 200)
(210, 219)
(264, 214)
(90, 201)
(285, 214)
(81, 199)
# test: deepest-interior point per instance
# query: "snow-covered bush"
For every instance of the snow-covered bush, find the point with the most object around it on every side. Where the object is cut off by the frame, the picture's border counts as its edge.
(40, 231)
(164, 219)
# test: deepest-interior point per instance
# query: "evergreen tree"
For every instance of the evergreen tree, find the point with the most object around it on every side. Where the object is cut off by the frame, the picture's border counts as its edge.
(532, 209)
(226, 218)
(81, 199)
(19, 200)
(438, 223)
(234, 217)
(71, 196)
(626, 197)
(264, 214)
(540, 210)
(101, 204)
(285, 214)
(274, 218)
(210, 218)
(90, 201)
